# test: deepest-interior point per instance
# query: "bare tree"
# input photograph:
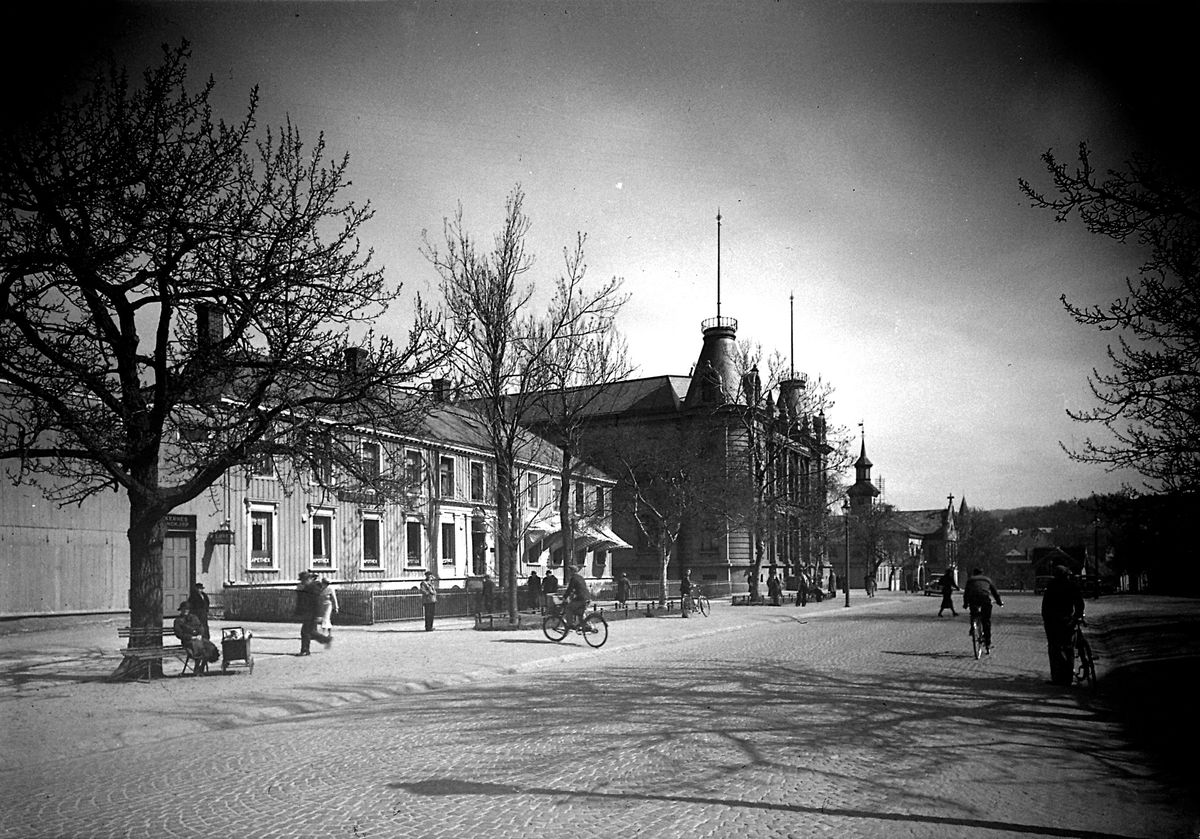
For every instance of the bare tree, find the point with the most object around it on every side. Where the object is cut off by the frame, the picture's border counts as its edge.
(1150, 399)
(582, 366)
(178, 297)
(501, 350)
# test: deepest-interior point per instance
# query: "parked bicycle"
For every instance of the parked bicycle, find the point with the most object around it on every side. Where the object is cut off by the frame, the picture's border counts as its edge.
(593, 627)
(697, 601)
(1085, 663)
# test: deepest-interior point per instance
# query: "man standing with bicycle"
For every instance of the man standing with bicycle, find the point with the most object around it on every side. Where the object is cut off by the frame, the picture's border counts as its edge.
(1062, 607)
(978, 592)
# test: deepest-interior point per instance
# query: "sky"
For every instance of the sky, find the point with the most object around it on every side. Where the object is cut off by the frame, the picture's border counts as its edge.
(864, 159)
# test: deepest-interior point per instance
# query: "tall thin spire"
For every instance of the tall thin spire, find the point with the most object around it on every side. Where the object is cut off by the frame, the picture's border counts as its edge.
(718, 262)
(792, 335)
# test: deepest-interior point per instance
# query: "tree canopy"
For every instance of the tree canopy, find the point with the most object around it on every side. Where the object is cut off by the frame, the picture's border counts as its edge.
(1149, 398)
(180, 295)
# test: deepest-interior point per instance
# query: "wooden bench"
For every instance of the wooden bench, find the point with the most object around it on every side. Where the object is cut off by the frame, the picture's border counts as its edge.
(139, 646)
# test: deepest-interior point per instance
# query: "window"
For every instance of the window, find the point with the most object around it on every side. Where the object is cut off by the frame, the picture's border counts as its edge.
(369, 455)
(531, 490)
(262, 536)
(320, 448)
(478, 486)
(412, 543)
(370, 540)
(599, 501)
(478, 547)
(555, 491)
(412, 469)
(446, 477)
(578, 498)
(262, 465)
(321, 528)
(447, 543)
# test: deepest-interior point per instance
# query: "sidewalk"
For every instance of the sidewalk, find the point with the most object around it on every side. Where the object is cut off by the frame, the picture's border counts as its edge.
(53, 681)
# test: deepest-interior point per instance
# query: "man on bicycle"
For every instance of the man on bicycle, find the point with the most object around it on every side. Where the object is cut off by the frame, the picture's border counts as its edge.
(978, 592)
(1062, 608)
(575, 597)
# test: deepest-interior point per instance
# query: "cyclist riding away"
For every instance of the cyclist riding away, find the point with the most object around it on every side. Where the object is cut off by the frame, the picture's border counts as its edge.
(978, 592)
(576, 597)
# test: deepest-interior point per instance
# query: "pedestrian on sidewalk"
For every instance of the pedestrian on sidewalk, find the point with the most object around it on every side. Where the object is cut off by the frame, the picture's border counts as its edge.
(775, 589)
(802, 585)
(550, 586)
(199, 603)
(1062, 606)
(534, 584)
(869, 584)
(752, 584)
(327, 606)
(429, 599)
(307, 611)
(685, 592)
(623, 587)
(948, 586)
(488, 594)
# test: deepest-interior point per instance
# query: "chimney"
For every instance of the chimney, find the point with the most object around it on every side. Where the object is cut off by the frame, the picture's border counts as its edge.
(356, 361)
(441, 390)
(210, 324)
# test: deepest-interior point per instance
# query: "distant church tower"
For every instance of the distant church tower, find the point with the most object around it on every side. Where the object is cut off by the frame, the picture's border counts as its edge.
(863, 492)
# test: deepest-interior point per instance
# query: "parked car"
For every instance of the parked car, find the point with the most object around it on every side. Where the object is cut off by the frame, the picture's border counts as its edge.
(933, 587)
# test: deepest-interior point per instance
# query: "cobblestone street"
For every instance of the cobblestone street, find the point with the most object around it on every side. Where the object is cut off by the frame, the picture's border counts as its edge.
(873, 721)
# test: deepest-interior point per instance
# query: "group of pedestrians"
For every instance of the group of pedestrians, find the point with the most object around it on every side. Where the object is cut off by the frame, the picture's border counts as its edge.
(541, 588)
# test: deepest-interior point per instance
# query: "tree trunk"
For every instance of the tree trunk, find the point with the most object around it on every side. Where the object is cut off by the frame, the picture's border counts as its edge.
(564, 509)
(506, 553)
(145, 584)
(664, 561)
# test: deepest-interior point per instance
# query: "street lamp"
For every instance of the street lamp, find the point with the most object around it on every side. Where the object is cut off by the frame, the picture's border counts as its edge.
(846, 569)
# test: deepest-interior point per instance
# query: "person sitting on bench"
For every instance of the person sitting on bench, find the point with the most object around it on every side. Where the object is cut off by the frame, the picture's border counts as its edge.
(190, 632)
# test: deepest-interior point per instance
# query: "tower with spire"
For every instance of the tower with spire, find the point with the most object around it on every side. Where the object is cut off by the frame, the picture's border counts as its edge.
(862, 493)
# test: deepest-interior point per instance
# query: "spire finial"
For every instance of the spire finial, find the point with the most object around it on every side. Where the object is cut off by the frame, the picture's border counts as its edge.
(718, 263)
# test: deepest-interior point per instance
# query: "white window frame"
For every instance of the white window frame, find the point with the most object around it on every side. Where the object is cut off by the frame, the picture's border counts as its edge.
(532, 494)
(452, 543)
(363, 447)
(411, 559)
(271, 512)
(444, 461)
(414, 469)
(324, 514)
(377, 518)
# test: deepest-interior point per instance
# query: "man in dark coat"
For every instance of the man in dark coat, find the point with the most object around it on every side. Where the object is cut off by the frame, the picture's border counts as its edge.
(1062, 606)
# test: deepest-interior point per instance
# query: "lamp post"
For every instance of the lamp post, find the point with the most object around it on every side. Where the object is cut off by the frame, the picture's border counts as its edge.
(846, 569)
(1096, 551)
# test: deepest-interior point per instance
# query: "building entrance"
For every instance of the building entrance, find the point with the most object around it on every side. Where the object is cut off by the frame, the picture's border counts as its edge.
(178, 550)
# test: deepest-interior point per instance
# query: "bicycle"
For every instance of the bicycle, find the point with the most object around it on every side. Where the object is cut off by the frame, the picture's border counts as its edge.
(698, 603)
(594, 628)
(1085, 662)
(977, 645)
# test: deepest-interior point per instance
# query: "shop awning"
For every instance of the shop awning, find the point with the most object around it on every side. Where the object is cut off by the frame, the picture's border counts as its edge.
(588, 537)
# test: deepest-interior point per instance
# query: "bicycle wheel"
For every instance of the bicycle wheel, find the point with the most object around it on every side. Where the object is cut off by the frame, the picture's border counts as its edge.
(702, 605)
(555, 627)
(976, 641)
(1086, 669)
(595, 630)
